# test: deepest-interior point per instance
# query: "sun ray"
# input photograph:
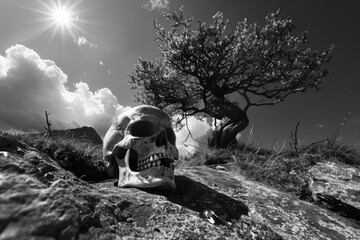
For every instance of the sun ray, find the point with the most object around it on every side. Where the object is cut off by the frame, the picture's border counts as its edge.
(57, 23)
(61, 17)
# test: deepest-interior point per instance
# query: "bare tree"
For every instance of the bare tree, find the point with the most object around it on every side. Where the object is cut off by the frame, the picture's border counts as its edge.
(210, 71)
(48, 123)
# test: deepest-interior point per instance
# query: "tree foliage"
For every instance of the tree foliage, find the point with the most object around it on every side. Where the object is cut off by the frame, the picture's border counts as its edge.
(212, 71)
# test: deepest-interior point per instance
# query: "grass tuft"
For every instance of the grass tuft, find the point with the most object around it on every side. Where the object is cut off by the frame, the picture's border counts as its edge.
(281, 167)
(80, 157)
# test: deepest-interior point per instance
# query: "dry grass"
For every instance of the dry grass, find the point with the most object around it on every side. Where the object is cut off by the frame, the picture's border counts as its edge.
(80, 157)
(282, 166)
(285, 166)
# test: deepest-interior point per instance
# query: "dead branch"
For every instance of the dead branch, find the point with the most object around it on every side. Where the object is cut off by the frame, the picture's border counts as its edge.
(48, 123)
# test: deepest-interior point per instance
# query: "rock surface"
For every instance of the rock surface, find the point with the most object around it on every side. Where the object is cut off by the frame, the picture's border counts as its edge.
(40, 200)
(337, 186)
(289, 217)
(84, 133)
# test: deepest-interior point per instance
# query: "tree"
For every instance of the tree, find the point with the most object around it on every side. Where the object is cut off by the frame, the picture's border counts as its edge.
(205, 71)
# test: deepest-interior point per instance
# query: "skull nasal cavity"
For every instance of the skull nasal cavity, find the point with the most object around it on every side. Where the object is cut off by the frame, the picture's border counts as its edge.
(161, 139)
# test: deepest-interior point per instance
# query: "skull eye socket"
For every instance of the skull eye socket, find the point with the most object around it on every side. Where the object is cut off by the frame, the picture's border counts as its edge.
(142, 129)
(171, 135)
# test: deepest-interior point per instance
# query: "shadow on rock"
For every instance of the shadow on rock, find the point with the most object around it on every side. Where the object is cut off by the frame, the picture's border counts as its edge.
(198, 197)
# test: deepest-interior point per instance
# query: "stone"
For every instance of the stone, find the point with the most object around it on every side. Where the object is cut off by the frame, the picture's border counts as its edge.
(9, 143)
(88, 134)
(284, 214)
(41, 200)
(336, 186)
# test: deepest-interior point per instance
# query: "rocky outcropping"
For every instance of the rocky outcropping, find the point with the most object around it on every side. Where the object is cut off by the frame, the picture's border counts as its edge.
(84, 133)
(336, 186)
(41, 200)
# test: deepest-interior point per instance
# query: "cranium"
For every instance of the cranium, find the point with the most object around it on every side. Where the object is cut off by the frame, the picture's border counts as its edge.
(140, 148)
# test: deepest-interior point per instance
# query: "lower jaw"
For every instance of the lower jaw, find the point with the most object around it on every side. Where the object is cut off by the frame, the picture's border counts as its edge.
(156, 173)
(163, 185)
(148, 179)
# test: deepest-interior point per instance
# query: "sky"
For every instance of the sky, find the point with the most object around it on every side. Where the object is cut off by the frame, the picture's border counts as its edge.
(73, 58)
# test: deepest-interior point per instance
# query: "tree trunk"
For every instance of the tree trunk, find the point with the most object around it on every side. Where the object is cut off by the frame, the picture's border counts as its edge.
(233, 121)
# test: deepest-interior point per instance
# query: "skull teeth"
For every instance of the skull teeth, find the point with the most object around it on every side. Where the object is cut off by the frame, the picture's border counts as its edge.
(157, 160)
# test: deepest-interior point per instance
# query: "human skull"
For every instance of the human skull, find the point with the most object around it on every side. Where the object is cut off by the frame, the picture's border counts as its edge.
(140, 148)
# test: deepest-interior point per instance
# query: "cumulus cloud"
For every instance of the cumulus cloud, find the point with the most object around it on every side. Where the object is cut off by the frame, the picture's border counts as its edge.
(29, 85)
(82, 41)
(156, 4)
(200, 131)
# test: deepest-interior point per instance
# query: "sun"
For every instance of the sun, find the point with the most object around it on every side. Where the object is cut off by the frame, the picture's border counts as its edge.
(58, 21)
(62, 16)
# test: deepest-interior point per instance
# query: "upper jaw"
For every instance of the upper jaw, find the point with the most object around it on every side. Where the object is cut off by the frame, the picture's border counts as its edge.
(154, 160)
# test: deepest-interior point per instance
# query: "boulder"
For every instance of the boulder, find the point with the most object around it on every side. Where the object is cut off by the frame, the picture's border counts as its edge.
(41, 200)
(37, 206)
(337, 187)
(84, 133)
(284, 214)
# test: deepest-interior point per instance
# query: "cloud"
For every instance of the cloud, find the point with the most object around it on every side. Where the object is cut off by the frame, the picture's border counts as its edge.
(4, 66)
(82, 41)
(200, 131)
(156, 4)
(29, 85)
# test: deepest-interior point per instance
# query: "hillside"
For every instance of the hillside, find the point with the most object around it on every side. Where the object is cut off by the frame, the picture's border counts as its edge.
(54, 189)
